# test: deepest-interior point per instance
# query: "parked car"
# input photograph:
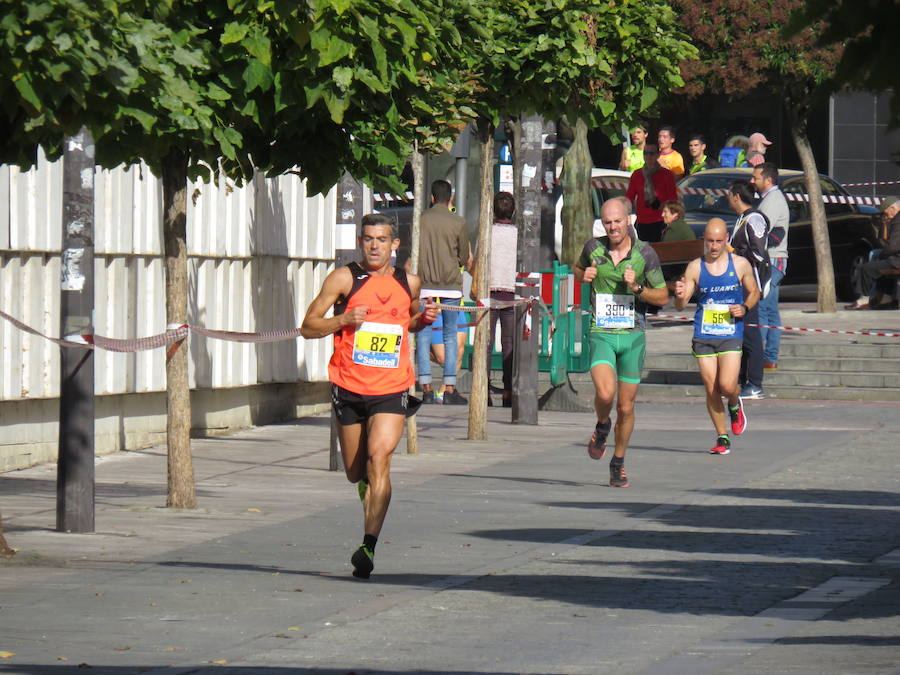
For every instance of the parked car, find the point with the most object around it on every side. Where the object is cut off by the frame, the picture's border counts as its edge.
(853, 230)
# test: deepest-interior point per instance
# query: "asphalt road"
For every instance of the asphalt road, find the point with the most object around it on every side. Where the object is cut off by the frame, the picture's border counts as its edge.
(505, 556)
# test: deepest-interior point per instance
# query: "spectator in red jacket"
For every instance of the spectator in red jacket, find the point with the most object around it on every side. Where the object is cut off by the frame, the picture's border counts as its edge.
(648, 188)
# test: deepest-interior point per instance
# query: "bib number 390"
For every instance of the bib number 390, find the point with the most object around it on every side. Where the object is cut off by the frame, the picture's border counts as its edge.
(612, 310)
(377, 344)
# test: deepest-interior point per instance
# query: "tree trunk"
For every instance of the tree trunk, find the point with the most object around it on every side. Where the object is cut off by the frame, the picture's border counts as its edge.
(5, 550)
(821, 240)
(578, 210)
(418, 168)
(181, 488)
(481, 282)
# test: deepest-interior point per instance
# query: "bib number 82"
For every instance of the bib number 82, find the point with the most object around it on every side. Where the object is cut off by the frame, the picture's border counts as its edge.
(378, 343)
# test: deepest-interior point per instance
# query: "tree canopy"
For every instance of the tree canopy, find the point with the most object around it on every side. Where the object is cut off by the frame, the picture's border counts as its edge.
(586, 59)
(866, 28)
(233, 84)
(741, 46)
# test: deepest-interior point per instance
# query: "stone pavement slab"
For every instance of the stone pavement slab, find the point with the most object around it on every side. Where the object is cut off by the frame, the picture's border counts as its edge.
(505, 556)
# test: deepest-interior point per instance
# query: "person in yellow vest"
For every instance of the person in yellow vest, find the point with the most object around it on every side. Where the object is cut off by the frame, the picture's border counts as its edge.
(376, 306)
(633, 155)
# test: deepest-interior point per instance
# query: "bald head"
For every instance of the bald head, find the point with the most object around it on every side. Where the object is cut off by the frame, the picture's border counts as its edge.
(615, 221)
(716, 227)
(715, 239)
(613, 208)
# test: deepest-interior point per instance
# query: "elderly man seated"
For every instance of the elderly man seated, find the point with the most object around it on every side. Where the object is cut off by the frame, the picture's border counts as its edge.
(888, 258)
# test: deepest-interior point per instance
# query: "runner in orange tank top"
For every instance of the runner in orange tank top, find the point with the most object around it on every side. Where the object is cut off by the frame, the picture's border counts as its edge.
(375, 307)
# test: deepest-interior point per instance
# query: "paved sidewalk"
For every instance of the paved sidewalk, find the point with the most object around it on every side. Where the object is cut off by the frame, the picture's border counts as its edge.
(504, 556)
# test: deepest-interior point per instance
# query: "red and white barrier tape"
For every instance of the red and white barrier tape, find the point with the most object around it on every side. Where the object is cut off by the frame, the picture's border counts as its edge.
(175, 334)
(721, 192)
(674, 317)
(618, 184)
(877, 182)
(387, 197)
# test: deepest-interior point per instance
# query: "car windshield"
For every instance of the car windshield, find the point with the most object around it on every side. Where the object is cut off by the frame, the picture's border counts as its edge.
(713, 204)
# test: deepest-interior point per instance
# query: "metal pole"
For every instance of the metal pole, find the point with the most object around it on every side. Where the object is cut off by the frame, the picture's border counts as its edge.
(349, 213)
(460, 151)
(531, 196)
(75, 462)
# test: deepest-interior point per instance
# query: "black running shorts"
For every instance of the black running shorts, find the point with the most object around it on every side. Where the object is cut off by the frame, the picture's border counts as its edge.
(701, 347)
(352, 408)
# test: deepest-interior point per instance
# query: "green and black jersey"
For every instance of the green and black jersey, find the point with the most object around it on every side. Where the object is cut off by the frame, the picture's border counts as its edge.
(615, 307)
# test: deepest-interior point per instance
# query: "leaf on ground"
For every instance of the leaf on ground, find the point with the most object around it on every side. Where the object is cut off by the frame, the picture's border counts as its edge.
(253, 509)
(294, 628)
(219, 662)
(7, 655)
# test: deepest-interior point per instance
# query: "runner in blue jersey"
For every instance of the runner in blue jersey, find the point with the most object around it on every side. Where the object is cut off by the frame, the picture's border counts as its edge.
(726, 288)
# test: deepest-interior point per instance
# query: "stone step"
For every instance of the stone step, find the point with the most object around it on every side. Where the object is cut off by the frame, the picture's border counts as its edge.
(827, 350)
(788, 364)
(816, 379)
(781, 391)
(788, 379)
(851, 350)
(580, 398)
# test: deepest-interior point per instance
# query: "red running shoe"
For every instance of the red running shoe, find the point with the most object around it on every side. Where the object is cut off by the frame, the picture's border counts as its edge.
(597, 445)
(738, 419)
(722, 446)
(617, 476)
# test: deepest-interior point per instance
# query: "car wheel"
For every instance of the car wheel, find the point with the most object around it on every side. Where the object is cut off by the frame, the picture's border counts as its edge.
(844, 281)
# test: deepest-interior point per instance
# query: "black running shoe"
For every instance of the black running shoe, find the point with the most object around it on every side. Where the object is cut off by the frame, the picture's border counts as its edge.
(597, 445)
(617, 476)
(428, 396)
(454, 398)
(363, 561)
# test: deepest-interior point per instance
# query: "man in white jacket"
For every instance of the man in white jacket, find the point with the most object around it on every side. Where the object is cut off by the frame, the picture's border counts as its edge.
(775, 208)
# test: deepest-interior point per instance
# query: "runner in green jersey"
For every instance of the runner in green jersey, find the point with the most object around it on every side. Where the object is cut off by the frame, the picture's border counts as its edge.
(625, 277)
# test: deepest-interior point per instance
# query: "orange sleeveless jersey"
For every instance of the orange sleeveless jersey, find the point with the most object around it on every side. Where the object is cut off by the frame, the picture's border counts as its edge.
(374, 360)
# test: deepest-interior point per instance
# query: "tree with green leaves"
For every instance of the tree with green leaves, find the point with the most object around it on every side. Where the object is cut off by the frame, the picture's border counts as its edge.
(742, 47)
(224, 88)
(587, 60)
(866, 29)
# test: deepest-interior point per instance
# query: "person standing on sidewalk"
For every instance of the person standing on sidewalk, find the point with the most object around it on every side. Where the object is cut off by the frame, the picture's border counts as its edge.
(775, 208)
(648, 188)
(669, 157)
(726, 288)
(504, 247)
(375, 307)
(749, 239)
(625, 276)
(632, 157)
(443, 251)
(699, 160)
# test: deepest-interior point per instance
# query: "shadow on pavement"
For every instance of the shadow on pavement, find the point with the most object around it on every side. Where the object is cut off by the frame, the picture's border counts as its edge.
(37, 669)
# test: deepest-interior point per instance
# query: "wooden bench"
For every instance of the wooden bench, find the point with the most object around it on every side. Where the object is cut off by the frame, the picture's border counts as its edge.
(672, 252)
(676, 254)
(895, 273)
